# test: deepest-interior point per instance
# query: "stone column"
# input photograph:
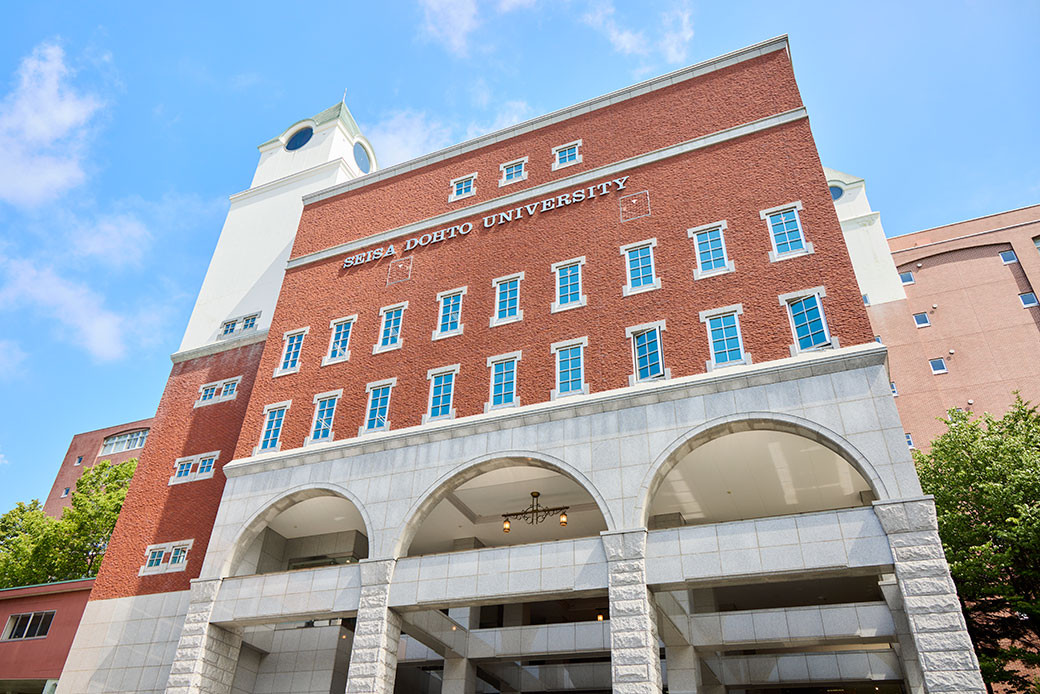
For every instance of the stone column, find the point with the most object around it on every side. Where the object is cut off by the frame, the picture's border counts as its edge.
(460, 675)
(373, 657)
(635, 658)
(937, 632)
(207, 655)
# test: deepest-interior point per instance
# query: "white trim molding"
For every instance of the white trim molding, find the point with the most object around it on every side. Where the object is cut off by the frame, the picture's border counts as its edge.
(495, 320)
(730, 266)
(369, 388)
(628, 289)
(219, 391)
(379, 349)
(556, 165)
(807, 247)
(338, 394)
(194, 462)
(166, 564)
(437, 334)
(522, 177)
(820, 293)
(328, 358)
(498, 358)
(583, 299)
(430, 375)
(555, 348)
(706, 316)
(630, 334)
(452, 197)
(278, 369)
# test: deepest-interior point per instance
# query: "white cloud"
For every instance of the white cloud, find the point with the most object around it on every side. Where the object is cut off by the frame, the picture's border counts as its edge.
(118, 239)
(11, 358)
(450, 22)
(509, 5)
(624, 40)
(406, 135)
(510, 113)
(676, 34)
(44, 125)
(4, 460)
(72, 304)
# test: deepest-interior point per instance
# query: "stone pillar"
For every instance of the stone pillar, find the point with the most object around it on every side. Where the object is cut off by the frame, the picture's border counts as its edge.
(460, 675)
(937, 632)
(207, 655)
(373, 657)
(635, 657)
(904, 646)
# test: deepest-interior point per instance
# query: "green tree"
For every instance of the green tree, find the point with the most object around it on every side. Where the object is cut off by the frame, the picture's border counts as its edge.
(35, 548)
(985, 476)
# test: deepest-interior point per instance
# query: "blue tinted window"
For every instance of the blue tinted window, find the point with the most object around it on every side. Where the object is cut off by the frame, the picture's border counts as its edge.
(514, 171)
(272, 429)
(440, 395)
(229, 389)
(569, 281)
(451, 307)
(1028, 299)
(205, 465)
(293, 343)
(503, 386)
(808, 322)
(725, 339)
(710, 253)
(323, 419)
(208, 392)
(836, 192)
(340, 339)
(508, 298)
(361, 157)
(378, 403)
(391, 327)
(938, 366)
(299, 138)
(640, 267)
(567, 154)
(921, 320)
(787, 235)
(183, 469)
(570, 369)
(906, 277)
(463, 187)
(648, 354)
(155, 558)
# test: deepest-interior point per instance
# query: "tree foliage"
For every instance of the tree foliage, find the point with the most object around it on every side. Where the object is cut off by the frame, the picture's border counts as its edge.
(35, 548)
(985, 475)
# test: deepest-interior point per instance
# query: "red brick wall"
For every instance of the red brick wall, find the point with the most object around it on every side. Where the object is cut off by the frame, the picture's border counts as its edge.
(87, 445)
(42, 658)
(156, 512)
(731, 181)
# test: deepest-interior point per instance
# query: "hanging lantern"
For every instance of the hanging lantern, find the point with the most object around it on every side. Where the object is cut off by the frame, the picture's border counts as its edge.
(505, 525)
(563, 520)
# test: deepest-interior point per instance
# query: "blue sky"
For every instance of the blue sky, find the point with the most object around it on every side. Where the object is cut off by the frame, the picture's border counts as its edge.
(125, 127)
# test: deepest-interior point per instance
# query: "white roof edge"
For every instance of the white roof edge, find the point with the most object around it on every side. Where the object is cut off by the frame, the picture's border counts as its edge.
(682, 74)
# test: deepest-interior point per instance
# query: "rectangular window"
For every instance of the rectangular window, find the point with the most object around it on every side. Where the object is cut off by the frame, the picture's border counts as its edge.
(503, 380)
(390, 331)
(155, 558)
(194, 468)
(566, 155)
(866, 300)
(892, 385)
(124, 442)
(463, 187)
(907, 277)
(218, 391)
(1028, 299)
(324, 412)
(154, 555)
(205, 466)
(507, 299)
(208, 392)
(228, 390)
(807, 320)
(442, 391)
(339, 342)
(275, 414)
(785, 232)
(938, 366)
(646, 352)
(79, 460)
(724, 339)
(513, 171)
(570, 368)
(291, 352)
(1008, 257)
(33, 625)
(65, 493)
(909, 440)
(639, 264)
(228, 327)
(183, 469)
(249, 322)
(179, 555)
(378, 406)
(568, 285)
(710, 250)
(450, 321)
(921, 320)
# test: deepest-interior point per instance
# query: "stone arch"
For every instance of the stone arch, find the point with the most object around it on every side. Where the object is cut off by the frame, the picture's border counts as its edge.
(464, 472)
(279, 503)
(750, 421)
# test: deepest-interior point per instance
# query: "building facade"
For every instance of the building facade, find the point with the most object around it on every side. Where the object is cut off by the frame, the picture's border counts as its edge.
(589, 404)
(956, 306)
(117, 444)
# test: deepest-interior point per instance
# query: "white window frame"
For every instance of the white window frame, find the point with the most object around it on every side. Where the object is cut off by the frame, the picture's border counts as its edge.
(68, 490)
(556, 165)
(498, 358)
(263, 425)
(472, 191)
(913, 279)
(630, 335)
(628, 289)
(12, 621)
(555, 347)
(79, 460)
(927, 320)
(807, 247)
(352, 319)
(164, 564)
(945, 369)
(219, 395)
(377, 348)
(583, 298)
(278, 370)
(730, 266)
(909, 440)
(1012, 252)
(338, 394)
(495, 320)
(1022, 300)
(437, 334)
(369, 388)
(430, 375)
(706, 316)
(895, 391)
(236, 330)
(820, 293)
(194, 474)
(502, 167)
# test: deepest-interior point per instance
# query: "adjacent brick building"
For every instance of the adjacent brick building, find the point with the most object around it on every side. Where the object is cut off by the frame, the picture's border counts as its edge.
(528, 412)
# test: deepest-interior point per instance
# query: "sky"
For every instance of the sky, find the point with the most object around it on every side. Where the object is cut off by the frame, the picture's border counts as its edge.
(124, 127)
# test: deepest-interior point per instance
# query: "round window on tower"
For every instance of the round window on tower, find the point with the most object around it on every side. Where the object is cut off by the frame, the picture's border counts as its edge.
(837, 192)
(299, 138)
(361, 157)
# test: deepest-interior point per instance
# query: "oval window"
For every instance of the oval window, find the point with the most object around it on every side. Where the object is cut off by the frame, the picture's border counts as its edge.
(299, 138)
(837, 192)
(361, 157)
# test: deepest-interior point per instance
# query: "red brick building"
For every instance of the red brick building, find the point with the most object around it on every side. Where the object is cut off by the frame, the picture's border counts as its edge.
(639, 310)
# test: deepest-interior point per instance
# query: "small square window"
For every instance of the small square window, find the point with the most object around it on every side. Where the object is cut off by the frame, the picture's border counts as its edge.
(194, 468)
(866, 300)
(513, 171)
(205, 466)
(390, 331)
(921, 320)
(1008, 257)
(568, 285)
(155, 558)
(208, 393)
(639, 264)
(183, 469)
(179, 555)
(228, 390)
(249, 322)
(909, 440)
(877, 339)
(1028, 299)
(463, 187)
(566, 155)
(228, 327)
(218, 391)
(907, 277)
(938, 366)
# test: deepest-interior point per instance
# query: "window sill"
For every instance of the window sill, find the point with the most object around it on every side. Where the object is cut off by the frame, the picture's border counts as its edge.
(363, 431)
(703, 275)
(833, 344)
(775, 257)
(438, 335)
(378, 349)
(555, 395)
(503, 182)
(214, 401)
(628, 290)
(308, 441)
(488, 407)
(496, 321)
(665, 376)
(557, 307)
(274, 449)
(336, 360)
(456, 198)
(427, 419)
(557, 166)
(710, 365)
(286, 372)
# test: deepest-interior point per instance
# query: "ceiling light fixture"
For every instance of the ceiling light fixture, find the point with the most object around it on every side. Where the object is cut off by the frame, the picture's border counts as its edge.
(535, 514)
